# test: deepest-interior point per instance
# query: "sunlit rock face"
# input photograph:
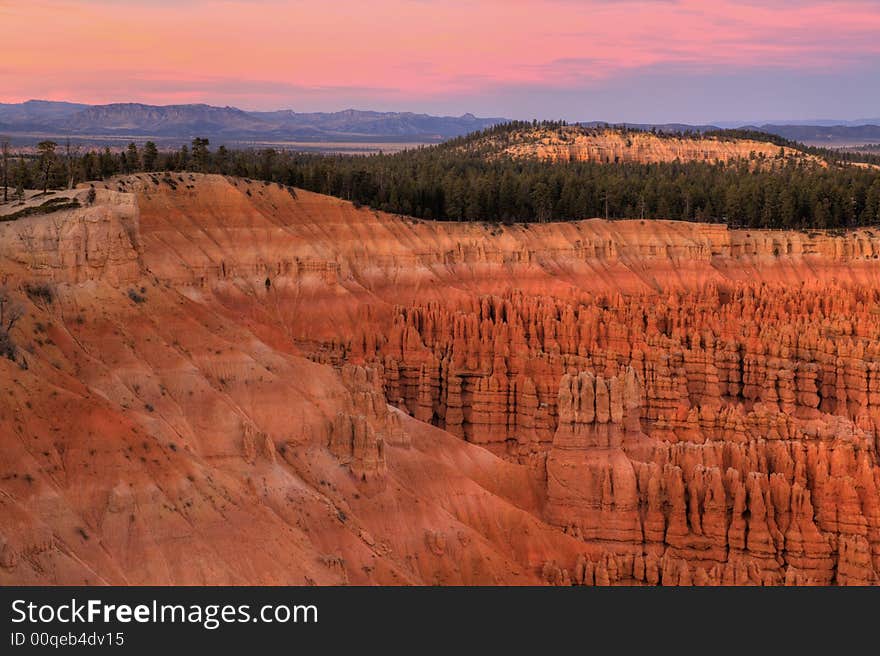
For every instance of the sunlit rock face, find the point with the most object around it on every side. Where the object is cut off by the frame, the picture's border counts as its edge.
(235, 382)
(613, 146)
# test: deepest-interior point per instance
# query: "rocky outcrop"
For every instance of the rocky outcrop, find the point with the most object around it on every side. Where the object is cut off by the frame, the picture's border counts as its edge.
(700, 426)
(260, 386)
(612, 146)
(95, 241)
(591, 484)
(361, 432)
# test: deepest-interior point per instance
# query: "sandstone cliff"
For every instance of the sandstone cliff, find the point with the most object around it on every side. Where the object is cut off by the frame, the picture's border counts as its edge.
(608, 145)
(235, 382)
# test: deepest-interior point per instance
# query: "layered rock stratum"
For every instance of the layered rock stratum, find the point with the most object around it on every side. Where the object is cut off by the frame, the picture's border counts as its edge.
(232, 382)
(573, 143)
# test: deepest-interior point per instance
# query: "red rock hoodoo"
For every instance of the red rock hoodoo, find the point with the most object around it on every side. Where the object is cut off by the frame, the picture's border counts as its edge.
(587, 402)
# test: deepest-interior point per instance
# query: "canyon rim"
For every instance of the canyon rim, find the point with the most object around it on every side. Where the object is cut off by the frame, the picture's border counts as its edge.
(223, 381)
(313, 309)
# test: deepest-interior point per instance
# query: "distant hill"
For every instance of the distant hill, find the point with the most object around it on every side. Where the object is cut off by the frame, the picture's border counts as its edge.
(351, 122)
(544, 171)
(229, 123)
(614, 145)
(169, 120)
(35, 114)
(829, 135)
(115, 123)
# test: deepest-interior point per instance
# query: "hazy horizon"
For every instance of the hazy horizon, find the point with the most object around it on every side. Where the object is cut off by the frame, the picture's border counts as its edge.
(722, 123)
(642, 61)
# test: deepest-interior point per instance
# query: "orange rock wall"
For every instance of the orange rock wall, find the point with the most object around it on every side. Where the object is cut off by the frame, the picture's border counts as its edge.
(574, 144)
(314, 393)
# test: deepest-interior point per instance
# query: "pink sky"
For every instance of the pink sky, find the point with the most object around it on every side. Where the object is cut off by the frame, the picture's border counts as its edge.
(267, 54)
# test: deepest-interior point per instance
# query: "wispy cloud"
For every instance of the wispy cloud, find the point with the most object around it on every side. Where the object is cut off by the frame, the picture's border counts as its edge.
(317, 55)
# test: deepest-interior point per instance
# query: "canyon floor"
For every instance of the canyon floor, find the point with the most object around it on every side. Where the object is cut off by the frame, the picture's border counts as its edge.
(220, 381)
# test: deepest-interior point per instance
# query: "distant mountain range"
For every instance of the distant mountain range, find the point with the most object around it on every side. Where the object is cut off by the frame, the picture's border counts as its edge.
(229, 123)
(821, 122)
(118, 122)
(828, 134)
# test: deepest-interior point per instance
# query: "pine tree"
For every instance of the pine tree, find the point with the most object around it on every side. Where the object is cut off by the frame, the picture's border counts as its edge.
(4, 163)
(46, 152)
(200, 154)
(221, 160)
(107, 164)
(182, 158)
(150, 156)
(132, 158)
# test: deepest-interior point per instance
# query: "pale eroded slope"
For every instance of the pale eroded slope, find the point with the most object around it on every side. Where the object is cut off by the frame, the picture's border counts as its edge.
(185, 416)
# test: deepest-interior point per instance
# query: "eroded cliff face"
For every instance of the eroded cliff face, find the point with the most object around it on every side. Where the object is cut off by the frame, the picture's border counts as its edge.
(98, 241)
(575, 144)
(241, 383)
